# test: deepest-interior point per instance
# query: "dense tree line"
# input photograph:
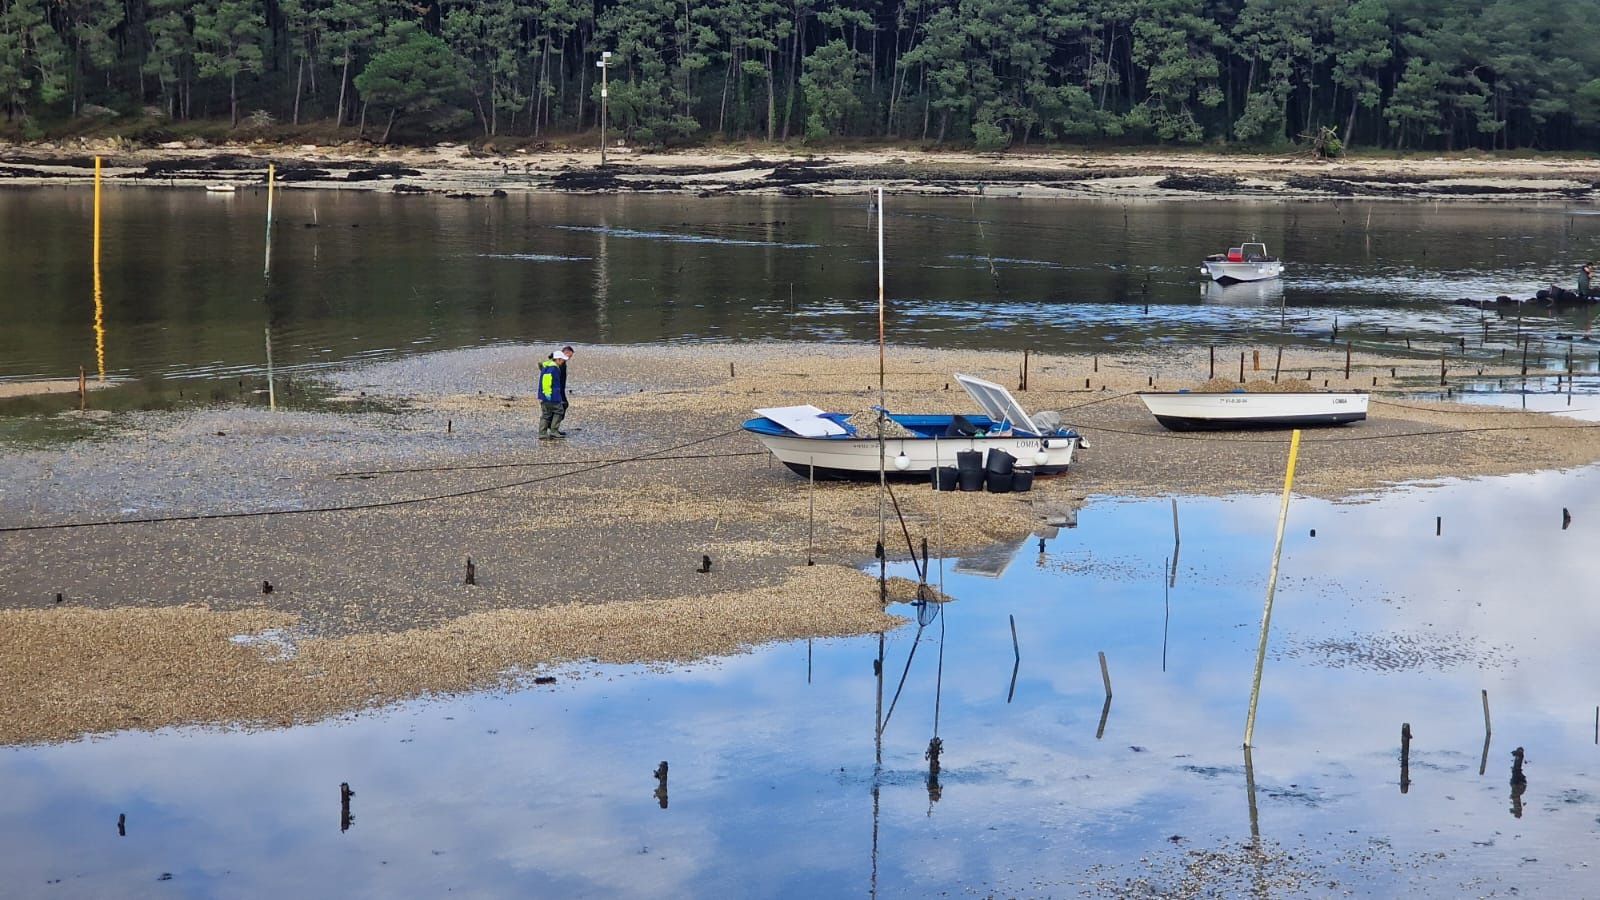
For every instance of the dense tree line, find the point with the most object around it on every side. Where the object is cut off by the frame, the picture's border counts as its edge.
(1407, 74)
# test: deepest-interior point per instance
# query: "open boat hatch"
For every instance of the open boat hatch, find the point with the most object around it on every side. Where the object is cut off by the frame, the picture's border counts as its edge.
(998, 403)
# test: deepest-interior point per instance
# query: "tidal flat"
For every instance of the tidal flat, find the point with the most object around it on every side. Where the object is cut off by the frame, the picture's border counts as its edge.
(392, 729)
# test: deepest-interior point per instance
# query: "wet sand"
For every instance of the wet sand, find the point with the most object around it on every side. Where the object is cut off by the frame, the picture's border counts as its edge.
(45, 386)
(469, 172)
(583, 549)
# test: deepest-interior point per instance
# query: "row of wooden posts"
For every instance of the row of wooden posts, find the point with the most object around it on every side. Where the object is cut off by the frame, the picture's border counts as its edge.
(1524, 343)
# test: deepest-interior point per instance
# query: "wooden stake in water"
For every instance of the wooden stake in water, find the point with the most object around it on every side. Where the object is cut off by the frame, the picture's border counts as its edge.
(1272, 588)
(1405, 757)
(1105, 674)
(1177, 538)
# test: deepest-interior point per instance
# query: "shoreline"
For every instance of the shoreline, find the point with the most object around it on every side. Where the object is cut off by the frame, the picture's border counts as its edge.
(465, 172)
(578, 561)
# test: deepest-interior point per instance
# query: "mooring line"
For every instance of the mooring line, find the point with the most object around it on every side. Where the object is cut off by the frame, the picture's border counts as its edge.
(1484, 410)
(378, 504)
(542, 462)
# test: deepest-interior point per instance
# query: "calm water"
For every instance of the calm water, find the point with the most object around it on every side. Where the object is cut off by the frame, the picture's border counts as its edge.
(776, 787)
(184, 294)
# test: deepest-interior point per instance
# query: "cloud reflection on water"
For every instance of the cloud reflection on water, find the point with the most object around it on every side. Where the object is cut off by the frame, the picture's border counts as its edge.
(550, 790)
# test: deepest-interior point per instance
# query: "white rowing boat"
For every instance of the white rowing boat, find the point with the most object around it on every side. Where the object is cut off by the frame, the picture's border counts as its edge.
(1200, 411)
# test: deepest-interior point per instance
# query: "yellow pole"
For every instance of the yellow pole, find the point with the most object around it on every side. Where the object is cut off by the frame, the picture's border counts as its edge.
(99, 302)
(1272, 589)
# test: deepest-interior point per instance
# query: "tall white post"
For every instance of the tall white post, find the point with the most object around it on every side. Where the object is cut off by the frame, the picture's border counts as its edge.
(605, 66)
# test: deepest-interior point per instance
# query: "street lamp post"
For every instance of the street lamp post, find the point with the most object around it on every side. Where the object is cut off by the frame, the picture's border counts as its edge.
(604, 64)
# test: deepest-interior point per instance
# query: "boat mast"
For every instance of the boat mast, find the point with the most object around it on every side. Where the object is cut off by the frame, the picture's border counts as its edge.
(883, 477)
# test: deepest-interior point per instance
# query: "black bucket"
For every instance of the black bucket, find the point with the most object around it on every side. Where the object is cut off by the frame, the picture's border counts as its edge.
(1000, 462)
(1000, 482)
(969, 463)
(1022, 480)
(946, 478)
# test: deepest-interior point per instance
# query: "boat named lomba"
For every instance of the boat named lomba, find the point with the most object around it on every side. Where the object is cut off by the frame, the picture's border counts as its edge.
(809, 440)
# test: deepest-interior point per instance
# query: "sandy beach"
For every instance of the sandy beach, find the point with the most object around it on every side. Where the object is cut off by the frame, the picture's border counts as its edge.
(586, 549)
(481, 171)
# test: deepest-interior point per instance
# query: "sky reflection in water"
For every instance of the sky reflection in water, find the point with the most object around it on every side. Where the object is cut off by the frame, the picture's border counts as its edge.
(548, 791)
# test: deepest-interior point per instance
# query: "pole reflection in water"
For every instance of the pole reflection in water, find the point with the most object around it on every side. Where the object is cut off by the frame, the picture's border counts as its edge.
(877, 762)
(99, 300)
(266, 291)
(602, 284)
(1250, 794)
(936, 744)
(1166, 605)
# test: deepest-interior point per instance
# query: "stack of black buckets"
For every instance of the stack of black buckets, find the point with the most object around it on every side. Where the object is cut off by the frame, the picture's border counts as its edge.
(972, 473)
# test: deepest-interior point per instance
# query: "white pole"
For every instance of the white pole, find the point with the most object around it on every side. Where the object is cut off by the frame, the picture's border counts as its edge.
(605, 70)
(883, 477)
(272, 394)
(266, 269)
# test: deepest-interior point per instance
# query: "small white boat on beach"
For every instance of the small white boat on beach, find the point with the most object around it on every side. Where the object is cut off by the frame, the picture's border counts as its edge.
(806, 438)
(1246, 262)
(1210, 411)
(221, 188)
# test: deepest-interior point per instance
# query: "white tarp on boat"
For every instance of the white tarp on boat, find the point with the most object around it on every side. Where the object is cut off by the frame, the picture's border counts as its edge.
(806, 421)
(997, 403)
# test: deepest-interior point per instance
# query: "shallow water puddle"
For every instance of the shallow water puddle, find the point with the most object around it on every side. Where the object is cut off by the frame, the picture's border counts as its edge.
(1577, 399)
(1401, 609)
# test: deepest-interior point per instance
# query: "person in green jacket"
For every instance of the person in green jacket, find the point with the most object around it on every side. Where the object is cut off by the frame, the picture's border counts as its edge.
(553, 393)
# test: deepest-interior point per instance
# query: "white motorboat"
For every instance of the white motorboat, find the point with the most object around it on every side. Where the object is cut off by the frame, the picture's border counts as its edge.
(1203, 411)
(807, 439)
(1246, 262)
(221, 188)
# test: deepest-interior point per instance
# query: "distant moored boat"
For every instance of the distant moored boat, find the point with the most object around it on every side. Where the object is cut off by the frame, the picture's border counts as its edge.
(1246, 262)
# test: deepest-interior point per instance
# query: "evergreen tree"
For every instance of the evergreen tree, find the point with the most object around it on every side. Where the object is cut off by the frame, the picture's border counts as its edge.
(421, 77)
(1408, 74)
(33, 59)
(228, 37)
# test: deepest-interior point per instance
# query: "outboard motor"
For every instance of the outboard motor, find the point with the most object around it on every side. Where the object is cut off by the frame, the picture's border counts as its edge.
(1049, 422)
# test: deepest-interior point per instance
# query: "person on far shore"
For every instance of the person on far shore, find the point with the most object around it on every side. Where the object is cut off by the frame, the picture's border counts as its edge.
(553, 393)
